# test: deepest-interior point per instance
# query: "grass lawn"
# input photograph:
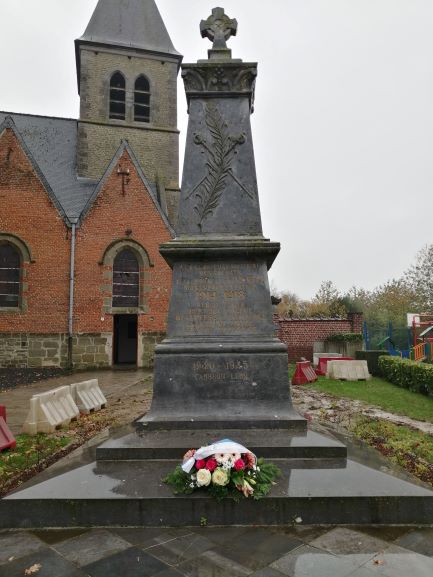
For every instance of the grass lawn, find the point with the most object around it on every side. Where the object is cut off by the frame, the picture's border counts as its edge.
(382, 394)
(30, 452)
(406, 447)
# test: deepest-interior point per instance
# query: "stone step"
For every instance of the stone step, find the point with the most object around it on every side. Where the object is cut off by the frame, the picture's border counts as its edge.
(132, 493)
(222, 415)
(269, 444)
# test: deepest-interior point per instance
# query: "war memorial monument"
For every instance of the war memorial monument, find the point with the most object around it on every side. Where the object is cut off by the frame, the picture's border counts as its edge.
(221, 372)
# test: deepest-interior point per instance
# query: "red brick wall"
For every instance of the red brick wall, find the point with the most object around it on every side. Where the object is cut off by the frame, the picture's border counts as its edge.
(300, 334)
(110, 217)
(27, 212)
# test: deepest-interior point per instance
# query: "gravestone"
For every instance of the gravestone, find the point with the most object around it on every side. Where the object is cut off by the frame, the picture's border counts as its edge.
(221, 365)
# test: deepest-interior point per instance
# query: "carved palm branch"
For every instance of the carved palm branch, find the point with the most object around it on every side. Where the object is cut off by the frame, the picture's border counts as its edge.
(218, 164)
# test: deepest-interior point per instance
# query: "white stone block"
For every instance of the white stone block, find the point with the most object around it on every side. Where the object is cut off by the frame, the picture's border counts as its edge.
(88, 396)
(348, 370)
(50, 410)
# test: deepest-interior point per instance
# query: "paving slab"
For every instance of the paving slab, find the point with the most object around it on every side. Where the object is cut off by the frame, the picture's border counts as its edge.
(91, 547)
(286, 546)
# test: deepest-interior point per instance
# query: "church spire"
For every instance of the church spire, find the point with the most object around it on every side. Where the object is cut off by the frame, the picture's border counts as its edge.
(128, 24)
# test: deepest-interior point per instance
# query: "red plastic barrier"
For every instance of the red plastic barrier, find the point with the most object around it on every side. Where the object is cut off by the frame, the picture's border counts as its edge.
(304, 374)
(3, 412)
(322, 365)
(7, 440)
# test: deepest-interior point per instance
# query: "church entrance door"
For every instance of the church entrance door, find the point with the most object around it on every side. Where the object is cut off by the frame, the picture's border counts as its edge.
(125, 340)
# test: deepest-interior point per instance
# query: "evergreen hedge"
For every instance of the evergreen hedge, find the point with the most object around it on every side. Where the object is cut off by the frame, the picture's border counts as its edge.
(345, 338)
(417, 377)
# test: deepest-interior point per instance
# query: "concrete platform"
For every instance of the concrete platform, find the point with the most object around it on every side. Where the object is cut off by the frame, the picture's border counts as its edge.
(131, 493)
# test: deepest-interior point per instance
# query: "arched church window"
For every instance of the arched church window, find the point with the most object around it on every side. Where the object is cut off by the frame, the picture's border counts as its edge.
(117, 96)
(126, 279)
(10, 276)
(142, 99)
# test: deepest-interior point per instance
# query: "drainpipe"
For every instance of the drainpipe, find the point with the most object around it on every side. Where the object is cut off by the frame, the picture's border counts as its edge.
(71, 294)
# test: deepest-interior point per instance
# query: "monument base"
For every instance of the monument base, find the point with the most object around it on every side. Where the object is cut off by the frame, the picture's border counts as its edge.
(124, 487)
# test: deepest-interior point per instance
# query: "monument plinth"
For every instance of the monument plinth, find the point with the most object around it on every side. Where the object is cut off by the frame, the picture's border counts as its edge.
(221, 364)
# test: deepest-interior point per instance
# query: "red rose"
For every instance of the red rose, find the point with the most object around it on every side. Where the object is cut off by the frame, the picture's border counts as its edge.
(200, 464)
(211, 465)
(239, 465)
(249, 460)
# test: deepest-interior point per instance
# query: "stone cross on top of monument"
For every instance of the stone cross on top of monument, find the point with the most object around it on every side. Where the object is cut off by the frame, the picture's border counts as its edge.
(219, 28)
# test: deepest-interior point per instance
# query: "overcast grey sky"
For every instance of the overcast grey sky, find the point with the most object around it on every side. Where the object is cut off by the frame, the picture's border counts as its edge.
(343, 127)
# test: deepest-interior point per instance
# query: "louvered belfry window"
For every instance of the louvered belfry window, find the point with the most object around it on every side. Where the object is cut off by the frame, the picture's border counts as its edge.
(142, 100)
(117, 97)
(126, 280)
(10, 276)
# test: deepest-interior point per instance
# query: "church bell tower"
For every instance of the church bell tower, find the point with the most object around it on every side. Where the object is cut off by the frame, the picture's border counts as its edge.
(127, 72)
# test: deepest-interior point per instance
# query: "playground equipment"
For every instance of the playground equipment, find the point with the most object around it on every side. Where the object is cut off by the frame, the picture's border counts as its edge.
(387, 342)
(422, 336)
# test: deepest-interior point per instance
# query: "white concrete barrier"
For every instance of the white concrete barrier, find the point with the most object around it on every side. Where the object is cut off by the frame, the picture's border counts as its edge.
(348, 370)
(88, 396)
(316, 357)
(50, 410)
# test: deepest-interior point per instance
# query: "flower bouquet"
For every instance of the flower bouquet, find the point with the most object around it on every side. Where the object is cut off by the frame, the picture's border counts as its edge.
(224, 469)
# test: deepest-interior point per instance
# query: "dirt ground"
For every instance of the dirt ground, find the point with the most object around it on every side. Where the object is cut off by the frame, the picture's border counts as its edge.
(322, 407)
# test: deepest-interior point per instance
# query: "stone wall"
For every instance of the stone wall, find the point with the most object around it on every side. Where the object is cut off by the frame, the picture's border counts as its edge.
(146, 348)
(300, 335)
(23, 350)
(92, 350)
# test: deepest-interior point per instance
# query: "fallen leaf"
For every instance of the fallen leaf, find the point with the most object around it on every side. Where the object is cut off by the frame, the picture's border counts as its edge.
(33, 569)
(11, 559)
(379, 562)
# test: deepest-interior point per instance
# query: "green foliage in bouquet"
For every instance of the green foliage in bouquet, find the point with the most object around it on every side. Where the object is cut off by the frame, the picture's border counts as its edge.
(239, 484)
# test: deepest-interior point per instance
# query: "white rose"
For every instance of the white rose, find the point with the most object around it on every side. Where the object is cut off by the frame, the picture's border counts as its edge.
(204, 478)
(220, 477)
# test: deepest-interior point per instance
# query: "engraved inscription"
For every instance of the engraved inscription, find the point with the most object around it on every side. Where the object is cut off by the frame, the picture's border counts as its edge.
(220, 298)
(236, 370)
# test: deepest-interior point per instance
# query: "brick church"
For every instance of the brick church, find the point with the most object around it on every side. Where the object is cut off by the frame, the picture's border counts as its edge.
(86, 203)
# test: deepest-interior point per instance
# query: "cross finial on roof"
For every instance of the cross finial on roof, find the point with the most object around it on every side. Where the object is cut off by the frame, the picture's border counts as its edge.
(218, 28)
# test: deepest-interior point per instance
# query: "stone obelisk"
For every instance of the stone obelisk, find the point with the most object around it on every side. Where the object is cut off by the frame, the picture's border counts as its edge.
(221, 365)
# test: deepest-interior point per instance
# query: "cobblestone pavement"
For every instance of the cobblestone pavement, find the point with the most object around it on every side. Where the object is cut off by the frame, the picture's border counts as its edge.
(219, 552)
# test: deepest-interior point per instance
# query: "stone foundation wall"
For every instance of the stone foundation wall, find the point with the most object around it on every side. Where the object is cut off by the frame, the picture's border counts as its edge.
(92, 351)
(23, 350)
(146, 348)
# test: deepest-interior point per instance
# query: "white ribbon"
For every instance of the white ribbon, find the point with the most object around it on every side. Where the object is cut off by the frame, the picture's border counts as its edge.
(224, 446)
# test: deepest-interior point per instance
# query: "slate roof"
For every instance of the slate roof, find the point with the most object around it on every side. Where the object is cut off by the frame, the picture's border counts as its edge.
(129, 23)
(51, 144)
